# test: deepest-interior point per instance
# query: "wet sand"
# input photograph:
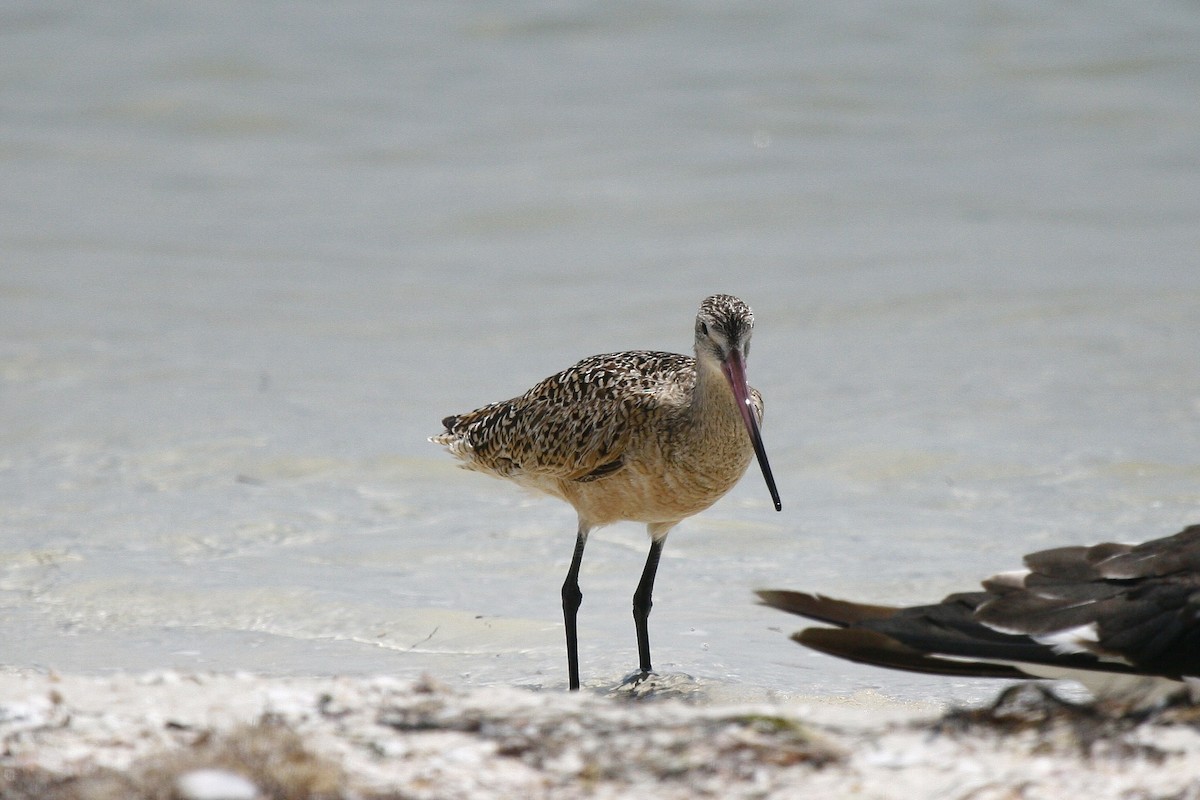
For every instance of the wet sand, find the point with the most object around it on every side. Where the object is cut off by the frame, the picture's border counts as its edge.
(192, 735)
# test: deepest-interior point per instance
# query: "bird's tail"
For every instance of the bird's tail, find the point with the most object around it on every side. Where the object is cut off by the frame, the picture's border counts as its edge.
(820, 608)
(863, 645)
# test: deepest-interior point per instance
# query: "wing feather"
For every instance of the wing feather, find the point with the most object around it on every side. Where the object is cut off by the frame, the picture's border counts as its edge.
(1110, 608)
(575, 425)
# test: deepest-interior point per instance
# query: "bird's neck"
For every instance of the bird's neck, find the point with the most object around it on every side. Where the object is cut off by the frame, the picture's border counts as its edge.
(711, 449)
(713, 405)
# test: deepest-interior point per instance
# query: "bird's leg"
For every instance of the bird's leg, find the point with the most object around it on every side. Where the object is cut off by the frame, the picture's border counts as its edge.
(642, 601)
(571, 599)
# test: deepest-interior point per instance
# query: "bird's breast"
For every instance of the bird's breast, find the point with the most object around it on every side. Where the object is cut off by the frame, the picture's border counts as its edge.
(664, 480)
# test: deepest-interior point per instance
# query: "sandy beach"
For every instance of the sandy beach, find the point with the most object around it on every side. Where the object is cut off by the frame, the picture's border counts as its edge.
(208, 736)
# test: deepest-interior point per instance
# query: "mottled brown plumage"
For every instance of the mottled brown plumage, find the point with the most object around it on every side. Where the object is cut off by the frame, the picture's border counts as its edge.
(645, 436)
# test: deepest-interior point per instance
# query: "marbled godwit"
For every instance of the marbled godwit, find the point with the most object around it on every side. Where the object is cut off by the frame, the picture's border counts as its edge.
(643, 436)
(1123, 620)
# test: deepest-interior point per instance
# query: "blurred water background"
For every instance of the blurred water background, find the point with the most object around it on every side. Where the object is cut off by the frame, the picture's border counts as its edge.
(251, 253)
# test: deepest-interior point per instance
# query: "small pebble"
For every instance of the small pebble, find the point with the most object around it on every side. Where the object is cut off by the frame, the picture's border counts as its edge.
(215, 784)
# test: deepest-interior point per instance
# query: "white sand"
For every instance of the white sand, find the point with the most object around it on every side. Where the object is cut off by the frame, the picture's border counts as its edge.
(136, 735)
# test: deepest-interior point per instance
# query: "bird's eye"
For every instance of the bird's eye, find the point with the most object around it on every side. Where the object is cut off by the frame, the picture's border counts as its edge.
(703, 329)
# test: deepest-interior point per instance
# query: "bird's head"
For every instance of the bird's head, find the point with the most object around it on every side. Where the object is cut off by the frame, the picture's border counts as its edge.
(724, 325)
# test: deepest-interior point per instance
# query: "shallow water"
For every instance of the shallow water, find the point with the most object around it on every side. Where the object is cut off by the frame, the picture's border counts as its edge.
(252, 254)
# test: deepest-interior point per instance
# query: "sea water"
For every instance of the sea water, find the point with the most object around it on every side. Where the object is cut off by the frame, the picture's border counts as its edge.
(251, 254)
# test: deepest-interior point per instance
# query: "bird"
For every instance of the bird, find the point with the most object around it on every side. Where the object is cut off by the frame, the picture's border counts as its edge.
(641, 435)
(1122, 619)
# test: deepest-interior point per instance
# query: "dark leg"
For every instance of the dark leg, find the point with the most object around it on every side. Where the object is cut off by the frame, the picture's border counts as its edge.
(571, 599)
(642, 604)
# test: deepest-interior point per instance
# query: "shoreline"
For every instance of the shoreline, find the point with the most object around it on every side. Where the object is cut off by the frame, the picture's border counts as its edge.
(173, 734)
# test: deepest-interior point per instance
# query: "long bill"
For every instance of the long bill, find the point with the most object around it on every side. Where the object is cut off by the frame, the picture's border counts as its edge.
(735, 372)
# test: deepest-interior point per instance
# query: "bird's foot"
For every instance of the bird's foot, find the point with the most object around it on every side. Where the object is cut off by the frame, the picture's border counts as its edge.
(1020, 706)
(636, 678)
(1056, 721)
(1036, 703)
(641, 685)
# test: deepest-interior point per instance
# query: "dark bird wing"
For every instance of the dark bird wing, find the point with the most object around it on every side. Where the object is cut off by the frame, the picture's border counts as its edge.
(1110, 608)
